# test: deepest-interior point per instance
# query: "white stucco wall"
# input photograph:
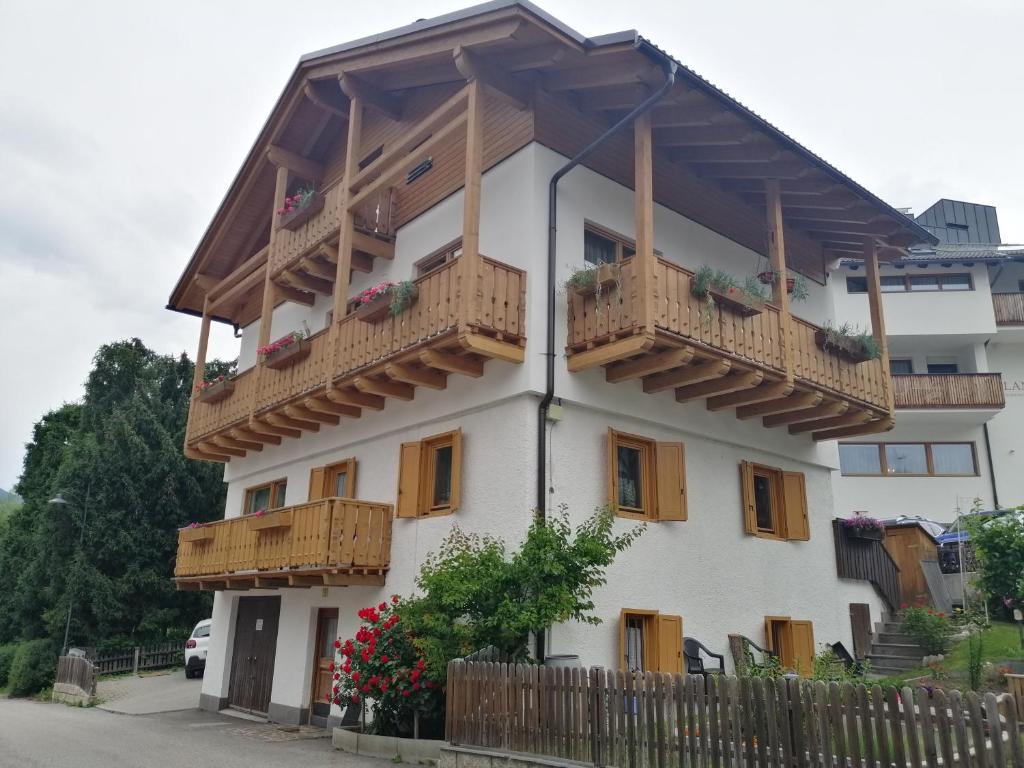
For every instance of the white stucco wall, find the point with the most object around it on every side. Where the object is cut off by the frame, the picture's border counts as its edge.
(1006, 430)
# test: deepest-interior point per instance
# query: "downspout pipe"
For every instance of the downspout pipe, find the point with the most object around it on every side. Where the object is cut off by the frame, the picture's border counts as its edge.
(988, 455)
(549, 391)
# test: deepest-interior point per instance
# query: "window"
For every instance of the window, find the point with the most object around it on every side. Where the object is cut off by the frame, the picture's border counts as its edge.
(429, 473)
(924, 283)
(774, 502)
(892, 284)
(901, 365)
(646, 479)
(264, 497)
(916, 283)
(956, 282)
(650, 641)
(439, 258)
(908, 459)
(337, 479)
(792, 640)
(856, 285)
(943, 368)
(601, 246)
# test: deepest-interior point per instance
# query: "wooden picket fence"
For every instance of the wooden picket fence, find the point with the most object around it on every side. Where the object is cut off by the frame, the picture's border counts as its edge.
(75, 676)
(143, 657)
(650, 720)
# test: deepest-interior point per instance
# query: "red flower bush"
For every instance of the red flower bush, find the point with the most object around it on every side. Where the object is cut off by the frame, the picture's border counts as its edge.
(371, 293)
(297, 202)
(381, 664)
(206, 384)
(285, 341)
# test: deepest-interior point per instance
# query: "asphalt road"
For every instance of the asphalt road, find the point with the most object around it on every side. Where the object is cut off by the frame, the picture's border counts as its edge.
(38, 735)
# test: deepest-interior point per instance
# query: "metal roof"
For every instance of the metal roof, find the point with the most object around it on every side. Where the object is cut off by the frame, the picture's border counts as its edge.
(953, 254)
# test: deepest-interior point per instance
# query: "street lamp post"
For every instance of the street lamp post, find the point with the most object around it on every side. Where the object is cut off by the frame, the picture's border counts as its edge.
(60, 501)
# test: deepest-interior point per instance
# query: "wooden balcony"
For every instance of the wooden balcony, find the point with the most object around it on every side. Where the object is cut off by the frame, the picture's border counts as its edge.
(1009, 308)
(329, 542)
(729, 360)
(949, 390)
(357, 365)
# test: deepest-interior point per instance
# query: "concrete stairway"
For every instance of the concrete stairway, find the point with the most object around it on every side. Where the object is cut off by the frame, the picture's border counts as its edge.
(892, 651)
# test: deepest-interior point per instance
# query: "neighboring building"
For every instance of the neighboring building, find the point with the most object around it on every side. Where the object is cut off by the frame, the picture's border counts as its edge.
(431, 149)
(954, 316)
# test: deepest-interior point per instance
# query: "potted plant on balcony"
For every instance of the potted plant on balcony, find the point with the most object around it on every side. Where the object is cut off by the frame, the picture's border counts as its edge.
(286, 351)
(299, 208)
(262, 520)
(719, 289)
(864, 528)
(848, 341)
(593, 279)
(383, 299)
(197, 533)
(214, 390)
(796, 286)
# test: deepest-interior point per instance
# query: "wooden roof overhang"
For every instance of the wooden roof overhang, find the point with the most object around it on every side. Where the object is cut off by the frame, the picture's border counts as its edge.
(713, 155)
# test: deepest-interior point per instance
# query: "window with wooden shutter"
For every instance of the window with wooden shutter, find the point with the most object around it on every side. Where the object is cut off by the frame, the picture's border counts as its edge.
(646, 479)
(408, 481)
(747, 492)
(670, 644)
(794, 496)
(262, 498)
(316, 483)
(650, 641)
(803, 647)
(774, 502)
(792, 640)
(430, 476)
(337, 479)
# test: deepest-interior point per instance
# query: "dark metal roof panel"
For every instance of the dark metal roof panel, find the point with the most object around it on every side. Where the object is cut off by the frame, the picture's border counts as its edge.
(957, 221)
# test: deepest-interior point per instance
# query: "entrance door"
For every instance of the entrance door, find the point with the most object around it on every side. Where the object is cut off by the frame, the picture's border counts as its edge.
(323, 656)
(252, 664)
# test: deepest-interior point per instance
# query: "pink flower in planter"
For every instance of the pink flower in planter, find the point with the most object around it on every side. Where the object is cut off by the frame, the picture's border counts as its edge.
(259, 513)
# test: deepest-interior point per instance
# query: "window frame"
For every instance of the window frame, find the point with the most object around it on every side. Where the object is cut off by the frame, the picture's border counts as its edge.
(654, 648)
(663, 482)
(909, 360)
(790, 509)
(416, 469)
(929, 462)
(905, 283)
(774, 476)
(621, 242)
(646, 447)
(273, 486)
(443, 255)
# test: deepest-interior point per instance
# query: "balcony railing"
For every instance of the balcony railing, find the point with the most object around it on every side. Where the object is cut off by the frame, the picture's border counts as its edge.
(1009, 308)
(331, 541)
(949, 390)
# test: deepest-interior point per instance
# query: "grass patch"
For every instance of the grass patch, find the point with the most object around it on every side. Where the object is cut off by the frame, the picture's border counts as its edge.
(1002, 643)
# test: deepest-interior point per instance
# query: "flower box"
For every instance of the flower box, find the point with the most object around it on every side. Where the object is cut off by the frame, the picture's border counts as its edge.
(271, 520)
(848, 349)
(285, 357)
(375, 309)
(295, 219)
(606, 275)
(735, 302)
(864, 534)
(198, 535)
(217, 391)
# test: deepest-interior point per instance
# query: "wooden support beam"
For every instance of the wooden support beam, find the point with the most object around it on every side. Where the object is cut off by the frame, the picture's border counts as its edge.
(425, 377)
(777, 169)
(269, 582)
(382, 249)
(303, 167)
(311, 580)
(199, 372)
(243, 270)
(599, 76)
(878, 319)
(239, 290)
(858, 416)
(445, 361)
(777, 259)
(751, 152)
(542, 56)
(468, 264)
(291, 294)
(759, 394)
(261, 427)
(705, 136)
(474, 67)
(871, 428)
(734, 382)
(231, 442)
(201, 455)
(318, 269)
(213, 449)
(687, 376)
(356, 398)
(353, 579)
(303, 415)
(488, 347)
(796, 402)
(649, 364)
(617, 97)
(609, 353)
(278, 420)
(267, 307)
(385, 388)
(306, 283)
(362, 262)
(645, 261)
(699, 114)
(329, 406)
(357, 88)
(243, 433)
(317, 98)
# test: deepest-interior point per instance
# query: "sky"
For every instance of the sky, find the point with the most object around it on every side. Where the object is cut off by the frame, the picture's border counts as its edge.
(123, 122)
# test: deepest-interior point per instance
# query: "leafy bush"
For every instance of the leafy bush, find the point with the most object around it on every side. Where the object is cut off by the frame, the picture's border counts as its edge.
(975, 659)
(999, 548)
(930, 629)
(6, 657)
(830, 668)
(33, 667)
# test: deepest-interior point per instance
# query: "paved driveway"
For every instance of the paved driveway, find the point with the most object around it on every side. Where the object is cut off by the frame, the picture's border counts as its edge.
(38, 735)
(164, 692)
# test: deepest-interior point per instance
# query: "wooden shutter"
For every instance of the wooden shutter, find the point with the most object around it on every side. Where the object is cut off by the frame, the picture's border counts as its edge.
(408, 480)
(803, 646)
(456, 469)
(747, 493)
(860, 624)
(622, 639)
(613, 472)
(670, 643)
(794, 499)
(316, 483)
(670, 479)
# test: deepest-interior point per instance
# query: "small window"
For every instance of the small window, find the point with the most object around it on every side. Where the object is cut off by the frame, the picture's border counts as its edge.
(892, 284)
(774, 502)
(924, 283)
(335, 480)
(953, 459)
(366, 161)
(429, 474)
(860, 459)
(901, 365)
(264, 497)
(650, 641)
(439, 258)
(646, 478)
(856, 285)
(602, 246)
(764, 501)
(956, 283)
(906, 459)
(943, 368)
(792, 641)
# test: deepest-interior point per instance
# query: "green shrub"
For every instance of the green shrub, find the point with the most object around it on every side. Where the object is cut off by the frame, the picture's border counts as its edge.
(930, 629)
(6, 657)
(33, 667)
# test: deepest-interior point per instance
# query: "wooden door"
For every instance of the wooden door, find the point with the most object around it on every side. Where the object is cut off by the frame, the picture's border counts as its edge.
(323, 656)
(252, 663)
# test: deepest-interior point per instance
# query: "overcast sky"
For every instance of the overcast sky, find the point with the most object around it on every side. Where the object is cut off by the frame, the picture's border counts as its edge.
(122, 124)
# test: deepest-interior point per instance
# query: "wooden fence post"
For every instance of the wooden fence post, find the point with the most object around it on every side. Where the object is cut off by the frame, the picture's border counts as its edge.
(135, 663)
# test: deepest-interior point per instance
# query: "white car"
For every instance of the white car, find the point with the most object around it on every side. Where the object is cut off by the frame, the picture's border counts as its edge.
(195, 649)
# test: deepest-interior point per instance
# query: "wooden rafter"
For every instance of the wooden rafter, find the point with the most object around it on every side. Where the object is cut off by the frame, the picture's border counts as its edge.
(355, 87)
(247, 434)
(420, 377)
(293, 294)
(858, 416)
(871, 428)
(302, 167)
(598, 76)
(788, 404)
(278, 420)
(687, 375)
(385, 388)
(263, 427)
(303, 415)
(710, 136)
(241, 445)
(329, 406)
(215, 449)
(734, 382)
(317, 269)
(759, 394)
(445, 361)
(306, 283)
(356, 398)
(374, 246)
(647, 365)
(474, 67)
(313, 93)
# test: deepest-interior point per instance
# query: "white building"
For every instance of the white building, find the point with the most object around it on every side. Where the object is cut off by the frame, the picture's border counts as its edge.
(442, 139)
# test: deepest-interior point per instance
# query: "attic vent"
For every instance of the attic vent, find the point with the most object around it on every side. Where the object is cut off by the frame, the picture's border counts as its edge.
(954, 225)
(371, 157)
(419, 170)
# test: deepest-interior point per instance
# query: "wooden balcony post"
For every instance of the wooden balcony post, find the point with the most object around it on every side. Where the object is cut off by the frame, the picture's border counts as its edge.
(878, 316)
(643, 204)
(345, 237)
(204, 340)
(471, 203)
(266, 315)
(777, 257)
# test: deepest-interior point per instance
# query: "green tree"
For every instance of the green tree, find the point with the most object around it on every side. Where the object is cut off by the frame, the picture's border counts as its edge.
(999, 549)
